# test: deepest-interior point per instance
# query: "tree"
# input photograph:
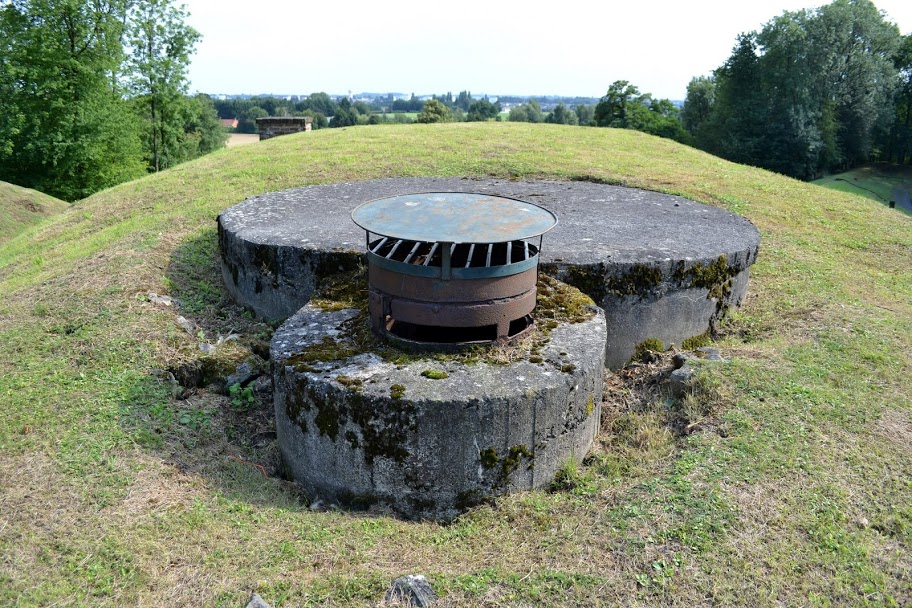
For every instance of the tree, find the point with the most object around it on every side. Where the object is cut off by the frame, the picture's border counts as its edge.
(701, 95)
(899, 145)
(585, 115)
(434, 111)
(611, 110)
(344, 116)
(533, 111)
(65, 128)
(482, 110)
(811, 92)
(623, 107)
(463, 100)
(161, 45)
(203, 127)
(518, 114)
(247, 120)
(860, 66)
(562, 115)
(736, 126)
(320, 102)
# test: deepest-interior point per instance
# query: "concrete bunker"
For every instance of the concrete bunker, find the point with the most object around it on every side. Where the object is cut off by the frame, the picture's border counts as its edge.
(428, 434)
(661, 267)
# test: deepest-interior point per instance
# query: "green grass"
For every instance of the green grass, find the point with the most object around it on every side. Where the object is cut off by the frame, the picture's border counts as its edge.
(880, 182)
(790, 486)
(22, 208)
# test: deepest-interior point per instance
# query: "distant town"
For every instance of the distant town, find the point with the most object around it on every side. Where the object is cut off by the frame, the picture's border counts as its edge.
(386, 100)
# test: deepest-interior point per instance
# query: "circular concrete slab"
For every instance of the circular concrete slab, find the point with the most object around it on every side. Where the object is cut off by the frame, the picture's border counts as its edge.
(431, 436)
(662, 267)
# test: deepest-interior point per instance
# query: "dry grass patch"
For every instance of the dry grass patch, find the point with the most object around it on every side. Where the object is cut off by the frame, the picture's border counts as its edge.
(895, 426)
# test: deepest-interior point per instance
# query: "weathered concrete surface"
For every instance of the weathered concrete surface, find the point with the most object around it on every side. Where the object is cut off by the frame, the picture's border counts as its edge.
(358, 429)
(660, 266)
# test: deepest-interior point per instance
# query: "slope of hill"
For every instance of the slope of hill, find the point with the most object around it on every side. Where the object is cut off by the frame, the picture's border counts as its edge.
(21, 208)
(789, 486)
(881, 182)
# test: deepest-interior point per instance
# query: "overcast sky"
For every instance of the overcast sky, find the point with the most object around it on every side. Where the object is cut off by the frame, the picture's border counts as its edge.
(490, 46)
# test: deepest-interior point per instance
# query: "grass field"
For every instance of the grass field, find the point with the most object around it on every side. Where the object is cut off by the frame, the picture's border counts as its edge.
(791, 484)
(883, 183)
(22, 208)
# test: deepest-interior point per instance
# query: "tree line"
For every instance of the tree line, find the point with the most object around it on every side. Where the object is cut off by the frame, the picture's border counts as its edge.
(94, 93)
(814, 91)
(343, 112)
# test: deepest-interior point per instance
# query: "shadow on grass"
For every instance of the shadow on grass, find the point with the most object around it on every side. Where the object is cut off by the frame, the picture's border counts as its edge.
(187, 414)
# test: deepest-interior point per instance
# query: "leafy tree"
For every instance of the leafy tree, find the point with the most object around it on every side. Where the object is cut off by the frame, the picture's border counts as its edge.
(161, 45)
(624, 107)
(701, 95)
(812, 91)
(203, 126)
(899, 144)
(527, 112)
(320, 102)
(344, 116)
(247, 121)
(65, 128)
(463, 100)
(434, 111)
(562, 115)
(585, 114)
(319, 119)
(519, 113)
(362, 108)
(533, 110)
(611, 110)
(736, 126)
(482, 110)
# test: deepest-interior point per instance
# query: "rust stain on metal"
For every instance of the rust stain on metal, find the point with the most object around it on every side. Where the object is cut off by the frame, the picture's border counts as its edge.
(447, 269)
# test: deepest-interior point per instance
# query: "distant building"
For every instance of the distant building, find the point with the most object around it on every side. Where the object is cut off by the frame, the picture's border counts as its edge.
(274, 126)
(230, 123)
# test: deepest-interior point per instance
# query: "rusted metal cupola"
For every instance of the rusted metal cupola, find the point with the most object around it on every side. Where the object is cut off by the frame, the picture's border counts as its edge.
(447, 269)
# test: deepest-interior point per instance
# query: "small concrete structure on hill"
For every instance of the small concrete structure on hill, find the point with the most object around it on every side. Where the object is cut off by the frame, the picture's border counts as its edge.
(362, 420)
(275, 126)
(660, 266)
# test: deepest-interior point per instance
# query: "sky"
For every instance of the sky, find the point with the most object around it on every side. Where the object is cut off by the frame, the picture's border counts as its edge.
(486, 47)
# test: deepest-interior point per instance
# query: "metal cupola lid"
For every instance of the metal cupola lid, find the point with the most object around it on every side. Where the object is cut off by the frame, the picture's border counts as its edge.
(453, 217)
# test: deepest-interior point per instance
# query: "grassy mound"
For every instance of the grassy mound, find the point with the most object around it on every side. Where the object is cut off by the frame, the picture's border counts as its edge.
(783, 478)
(21, 208)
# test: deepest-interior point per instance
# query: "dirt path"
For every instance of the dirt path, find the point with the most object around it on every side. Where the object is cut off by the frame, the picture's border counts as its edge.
(242, 139)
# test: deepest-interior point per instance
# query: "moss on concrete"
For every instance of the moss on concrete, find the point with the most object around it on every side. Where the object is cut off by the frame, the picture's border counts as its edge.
(325, 350)
(716, 277)
(508, 463)
(695, 342)
(355, 384)
(638, 281)
(434, 374)
(380, 428)
(397, 391)
(488, 458)
(557, 303)
(648, 345)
